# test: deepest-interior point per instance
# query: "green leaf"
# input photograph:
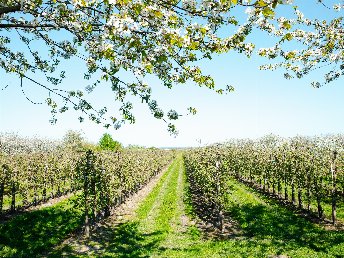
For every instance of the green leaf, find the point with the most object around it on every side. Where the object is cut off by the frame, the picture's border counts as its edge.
(149, 68)
(268, 12)
(194, 45)
(287, 25)
(260, 3)
(288, 36)
(274, 4)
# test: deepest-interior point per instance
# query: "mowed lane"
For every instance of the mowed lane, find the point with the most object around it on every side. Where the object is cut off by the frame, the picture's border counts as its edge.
(162, 215)
(159, 227)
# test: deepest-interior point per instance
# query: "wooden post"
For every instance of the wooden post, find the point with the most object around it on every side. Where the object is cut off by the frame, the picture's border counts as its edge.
(334, 187)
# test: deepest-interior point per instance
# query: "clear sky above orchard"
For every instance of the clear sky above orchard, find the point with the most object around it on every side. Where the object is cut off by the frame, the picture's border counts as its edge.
(263, 102)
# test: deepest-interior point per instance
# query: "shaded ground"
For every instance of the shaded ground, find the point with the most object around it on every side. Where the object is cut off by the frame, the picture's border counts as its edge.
(156, 223)
(7, 215)
(33, 232)
(117, 234)
(161, 227)
(263, 220)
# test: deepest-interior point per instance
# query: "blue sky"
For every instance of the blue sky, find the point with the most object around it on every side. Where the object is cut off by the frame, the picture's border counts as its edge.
(263, 102)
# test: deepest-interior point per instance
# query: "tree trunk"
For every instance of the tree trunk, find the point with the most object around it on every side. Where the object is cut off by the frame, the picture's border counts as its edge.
(94, 196)
(2, 188)
(58, 190)
(13, 194)
(25, 197)
(318, 193)
(279, 188)
(308, 198)
(320, 209)
(107, 212)
(220, 220)
(334, 187)
(299, 197)
(273, 187)
(44, 193)
(35, 198)
(286, 190)
(87, 223)
(293, 193)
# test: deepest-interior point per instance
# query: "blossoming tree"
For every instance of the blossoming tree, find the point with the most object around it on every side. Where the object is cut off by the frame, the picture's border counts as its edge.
(164, 38)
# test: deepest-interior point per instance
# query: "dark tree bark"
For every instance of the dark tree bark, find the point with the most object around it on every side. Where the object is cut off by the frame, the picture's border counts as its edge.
(9, 9)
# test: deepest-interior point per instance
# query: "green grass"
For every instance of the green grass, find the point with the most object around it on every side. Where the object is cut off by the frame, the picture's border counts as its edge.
(32, 233)
(326, 202)
(152, 196)
(158, 230)
(267, 228)
(280, 230)
(20, 199)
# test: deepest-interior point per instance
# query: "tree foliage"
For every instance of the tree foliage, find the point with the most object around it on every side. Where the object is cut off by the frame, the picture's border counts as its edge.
(73, 140)
(107, 143)
(34, 170)
(305, 171)
(164, 38)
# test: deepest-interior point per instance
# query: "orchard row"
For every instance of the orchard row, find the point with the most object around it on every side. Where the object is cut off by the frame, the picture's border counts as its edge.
(32, 171)
(305, 172)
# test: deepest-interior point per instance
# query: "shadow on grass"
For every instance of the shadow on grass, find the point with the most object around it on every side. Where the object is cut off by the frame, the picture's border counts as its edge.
(32, 233)
(285, 228)
(129, 242)
(125, 240)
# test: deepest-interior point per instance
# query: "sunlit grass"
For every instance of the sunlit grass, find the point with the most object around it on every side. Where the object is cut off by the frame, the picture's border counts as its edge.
(266, 228)
(32, 233)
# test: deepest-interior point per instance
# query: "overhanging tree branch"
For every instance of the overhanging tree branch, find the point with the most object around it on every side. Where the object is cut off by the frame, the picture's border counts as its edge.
(155, 37)
(9, 9)
(31, 26)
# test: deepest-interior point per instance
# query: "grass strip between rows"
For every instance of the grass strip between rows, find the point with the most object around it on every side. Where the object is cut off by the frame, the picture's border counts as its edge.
(268, 229)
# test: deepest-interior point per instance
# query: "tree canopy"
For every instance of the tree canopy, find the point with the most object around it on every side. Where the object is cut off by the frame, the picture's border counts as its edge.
(106, 142)
(164, 38)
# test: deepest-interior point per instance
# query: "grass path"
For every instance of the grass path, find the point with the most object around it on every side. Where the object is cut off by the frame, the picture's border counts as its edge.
(156, 222)
(157, 229)
(33, 232)
(160, 227)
